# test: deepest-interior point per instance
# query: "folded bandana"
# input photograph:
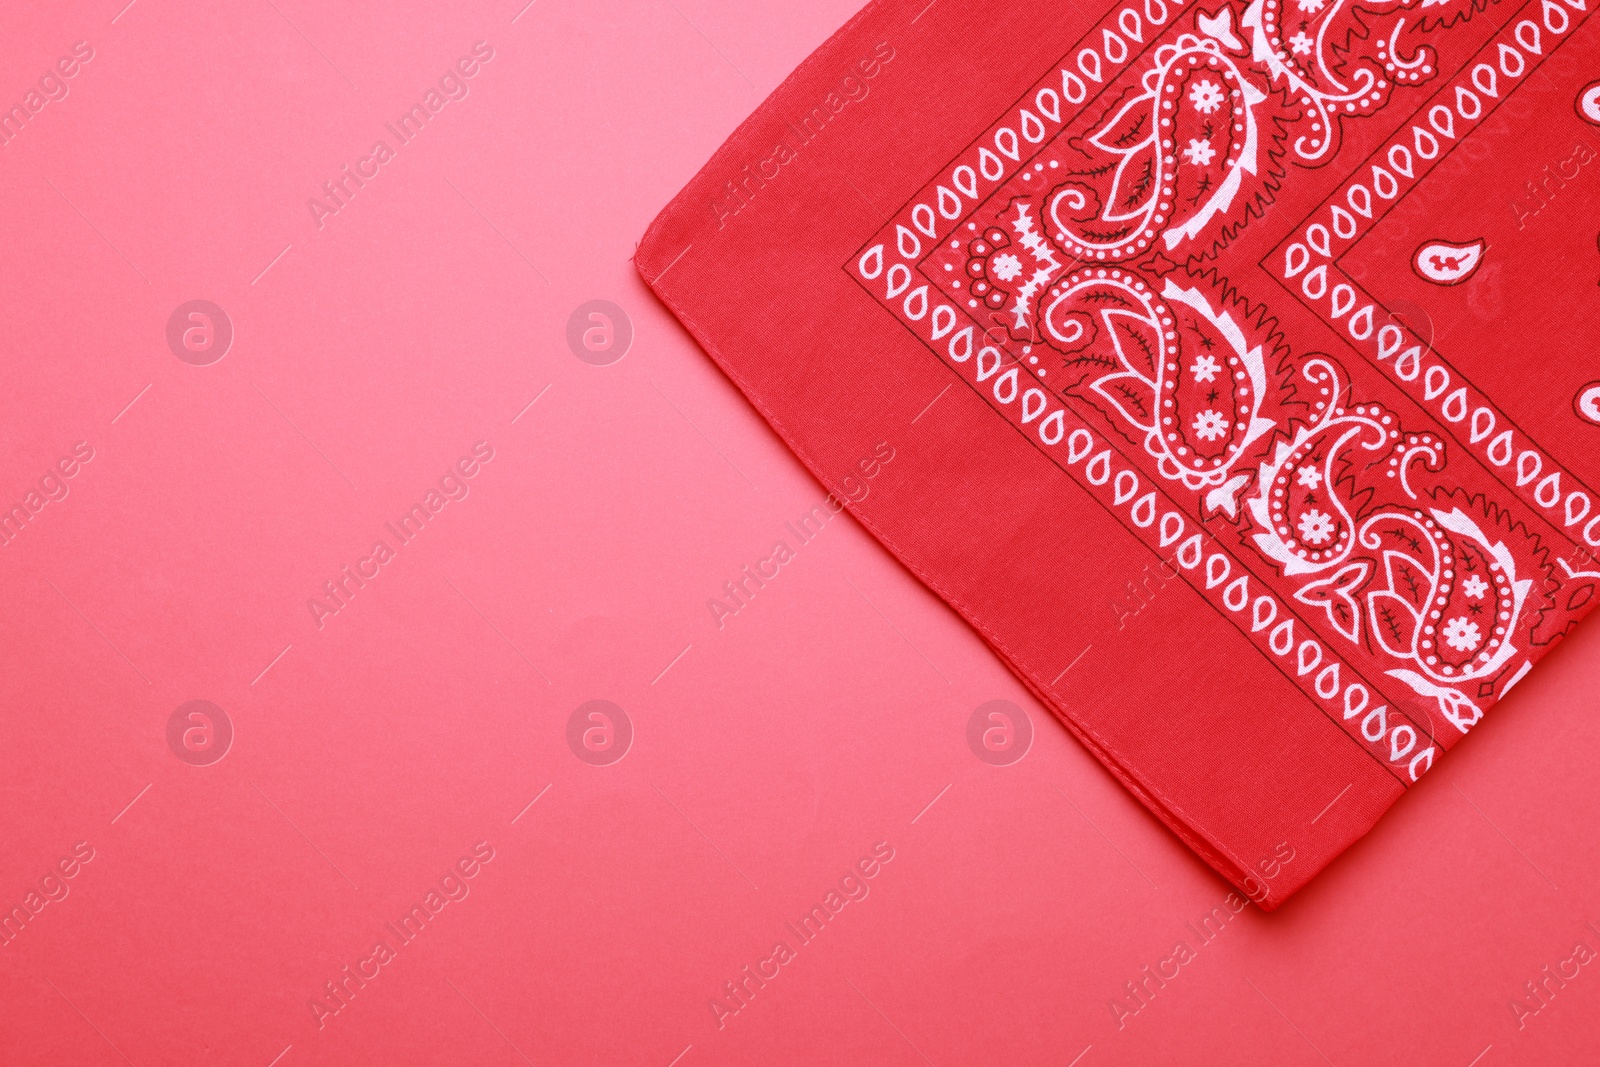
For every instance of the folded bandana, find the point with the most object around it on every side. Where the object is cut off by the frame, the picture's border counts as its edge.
(1240, 361)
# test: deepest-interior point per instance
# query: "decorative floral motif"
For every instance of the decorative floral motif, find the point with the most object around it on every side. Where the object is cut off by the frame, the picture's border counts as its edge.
(1199, 153)
(1210, 425)
(1116, 211)
(1349, 510)
(991, 268)
(1122, 347)
(1460, 634)
(1330, 87)
(1315, 527)
(1206, 96)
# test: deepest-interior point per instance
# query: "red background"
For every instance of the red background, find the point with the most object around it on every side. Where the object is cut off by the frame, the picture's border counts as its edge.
(769, 755)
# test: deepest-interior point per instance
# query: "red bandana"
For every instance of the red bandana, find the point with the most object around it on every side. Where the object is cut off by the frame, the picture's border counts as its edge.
(1239, 362)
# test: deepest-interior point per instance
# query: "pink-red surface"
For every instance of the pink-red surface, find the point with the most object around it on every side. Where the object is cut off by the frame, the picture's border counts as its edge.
(598, 873)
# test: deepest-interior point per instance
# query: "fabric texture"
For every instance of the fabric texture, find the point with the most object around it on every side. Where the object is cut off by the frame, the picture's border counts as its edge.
(1240, 362)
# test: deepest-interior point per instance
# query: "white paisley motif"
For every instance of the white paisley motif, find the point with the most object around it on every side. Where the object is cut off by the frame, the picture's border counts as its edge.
(1151, 212)
(1301, 64)
(1425, 557)
(1139, 307)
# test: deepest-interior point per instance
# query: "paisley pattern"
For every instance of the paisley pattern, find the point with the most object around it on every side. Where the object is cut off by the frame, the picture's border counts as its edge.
(1070, 244)
(1177, 149)
(1427, 586)
(1185, 378)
